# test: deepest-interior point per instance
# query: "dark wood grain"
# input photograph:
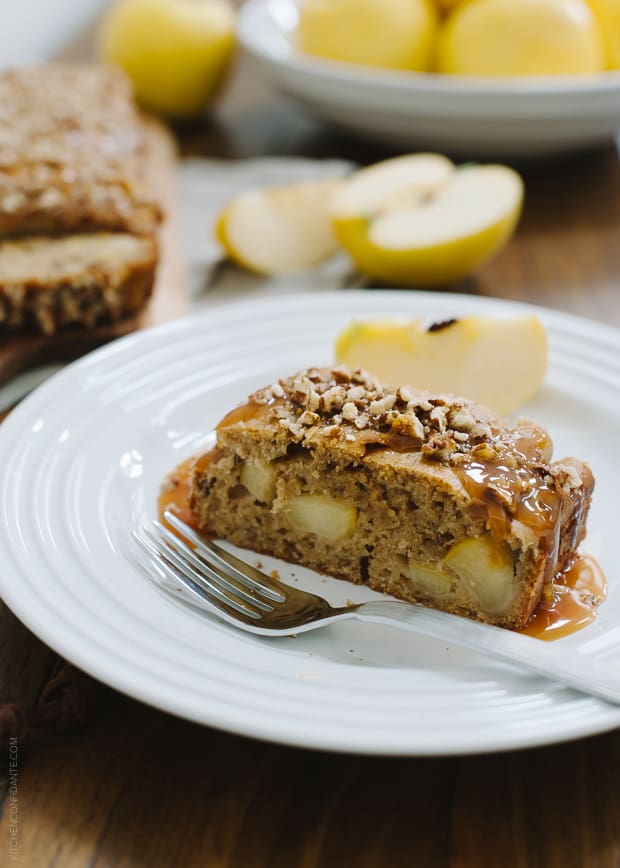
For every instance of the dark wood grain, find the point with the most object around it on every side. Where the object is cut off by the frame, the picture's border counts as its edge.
(138, 787)
(141, 788)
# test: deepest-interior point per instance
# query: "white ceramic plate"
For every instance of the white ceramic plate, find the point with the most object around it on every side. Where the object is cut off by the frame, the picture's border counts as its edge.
(82, 460)
(472, 116)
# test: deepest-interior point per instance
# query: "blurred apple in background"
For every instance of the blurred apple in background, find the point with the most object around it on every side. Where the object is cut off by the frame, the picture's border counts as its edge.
(279, 230)
(608, 14)
(447, 6)
(177, 52)
(522, 37)
(397, 34)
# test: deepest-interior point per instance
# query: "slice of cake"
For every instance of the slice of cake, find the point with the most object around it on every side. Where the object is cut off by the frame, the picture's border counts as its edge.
(50, 284)
(429, 498)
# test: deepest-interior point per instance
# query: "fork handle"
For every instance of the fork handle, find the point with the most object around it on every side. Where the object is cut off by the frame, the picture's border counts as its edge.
(553, 660)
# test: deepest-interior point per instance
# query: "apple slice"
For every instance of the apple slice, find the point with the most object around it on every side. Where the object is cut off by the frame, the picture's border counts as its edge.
(418, 221)
(488, 570)
(279, 230)
(320, 514)
(400, 182)
(497, 362)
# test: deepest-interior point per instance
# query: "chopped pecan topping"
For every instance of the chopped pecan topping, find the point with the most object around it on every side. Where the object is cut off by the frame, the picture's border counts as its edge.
(340, 400)
(439, 447)
(339, 403)
(566, 477)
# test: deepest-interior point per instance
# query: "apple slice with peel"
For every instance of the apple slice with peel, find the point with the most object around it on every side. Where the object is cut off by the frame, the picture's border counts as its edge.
(390, 184)
(279, 230)
(497, 362)
(418, 221)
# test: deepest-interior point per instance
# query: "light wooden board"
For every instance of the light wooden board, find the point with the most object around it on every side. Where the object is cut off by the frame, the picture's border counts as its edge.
(170, 298)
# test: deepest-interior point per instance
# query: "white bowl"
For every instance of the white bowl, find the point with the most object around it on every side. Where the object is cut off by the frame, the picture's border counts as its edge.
(462, 115)
(35, 30)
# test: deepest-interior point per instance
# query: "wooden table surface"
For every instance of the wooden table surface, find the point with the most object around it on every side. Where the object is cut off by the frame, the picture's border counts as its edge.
(137, 787)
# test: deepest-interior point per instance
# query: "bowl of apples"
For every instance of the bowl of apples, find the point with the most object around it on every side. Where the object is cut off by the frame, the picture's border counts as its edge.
(486, 77)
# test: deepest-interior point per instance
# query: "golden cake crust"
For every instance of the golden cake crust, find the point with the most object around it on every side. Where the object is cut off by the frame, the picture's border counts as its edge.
(71, 153)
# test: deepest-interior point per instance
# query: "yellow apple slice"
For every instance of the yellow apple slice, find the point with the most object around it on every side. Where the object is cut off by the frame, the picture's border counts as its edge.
(497, 362)
(397, 183)
(488, 570)
(279, 230)
(409, 223)
(320, 514)
(259, 478)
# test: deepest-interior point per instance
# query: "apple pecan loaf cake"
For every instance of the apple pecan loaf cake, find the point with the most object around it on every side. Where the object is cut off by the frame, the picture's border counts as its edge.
(72, 153)
(429, 498)
(94, 277)
(72, 163)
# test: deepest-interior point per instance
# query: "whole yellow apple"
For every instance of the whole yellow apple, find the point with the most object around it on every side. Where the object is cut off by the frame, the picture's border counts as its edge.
(521, 37)
(608, 14)
(397, 34)
(176, 52)
(447, 6)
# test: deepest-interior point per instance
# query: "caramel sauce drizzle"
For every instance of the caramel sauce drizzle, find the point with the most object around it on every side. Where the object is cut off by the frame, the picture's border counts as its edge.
(175, 492)
(243, 413)
(577, 592)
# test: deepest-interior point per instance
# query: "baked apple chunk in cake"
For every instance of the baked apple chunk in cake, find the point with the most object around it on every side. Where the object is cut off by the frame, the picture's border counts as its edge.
(426, 497)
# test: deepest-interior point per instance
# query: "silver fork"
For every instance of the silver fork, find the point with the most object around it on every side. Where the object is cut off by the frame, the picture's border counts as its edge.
(244, 596)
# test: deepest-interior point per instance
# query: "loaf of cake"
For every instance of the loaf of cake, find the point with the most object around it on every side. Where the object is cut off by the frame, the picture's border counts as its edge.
(72, 153)
(72, 163)
(49, 284)
(426, 497)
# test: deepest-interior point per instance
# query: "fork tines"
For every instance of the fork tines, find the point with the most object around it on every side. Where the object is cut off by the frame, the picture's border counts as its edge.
(208, 572)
